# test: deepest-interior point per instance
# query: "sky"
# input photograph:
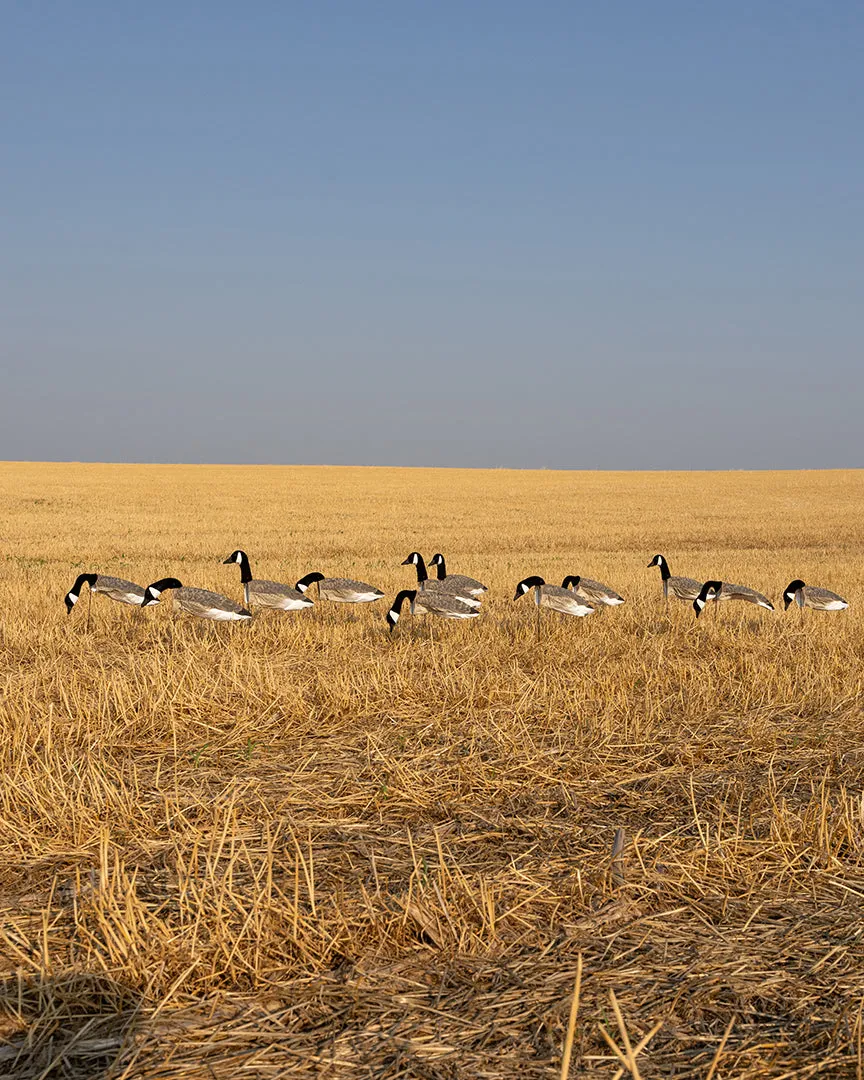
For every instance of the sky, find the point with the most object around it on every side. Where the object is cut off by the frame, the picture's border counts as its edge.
(471, 233)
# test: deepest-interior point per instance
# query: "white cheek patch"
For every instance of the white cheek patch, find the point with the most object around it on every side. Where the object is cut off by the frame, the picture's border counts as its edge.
(394, 616)
(72, 598)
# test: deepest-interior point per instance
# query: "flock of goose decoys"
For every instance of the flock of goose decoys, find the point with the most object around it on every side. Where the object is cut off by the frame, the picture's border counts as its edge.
(447, 596)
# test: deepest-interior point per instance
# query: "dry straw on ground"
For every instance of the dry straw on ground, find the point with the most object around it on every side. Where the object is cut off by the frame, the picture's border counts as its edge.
(301, 848)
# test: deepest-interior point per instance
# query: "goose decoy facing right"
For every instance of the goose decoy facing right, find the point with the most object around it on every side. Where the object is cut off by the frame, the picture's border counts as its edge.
(553, 597)
(682, 588)
(812, 596)
(201, 603)
(593, 591)
(269, 594)
(462, 582)
(442, 585)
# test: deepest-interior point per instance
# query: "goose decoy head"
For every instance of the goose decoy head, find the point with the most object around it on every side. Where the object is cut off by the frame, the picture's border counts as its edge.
(310, 579)
(658, 560)
(528, 583)
(396, 607)
(789, 592)
(71, 597)
(709, 591)
(153, 592)
(414, 559)
(237, 556)
(571, 579)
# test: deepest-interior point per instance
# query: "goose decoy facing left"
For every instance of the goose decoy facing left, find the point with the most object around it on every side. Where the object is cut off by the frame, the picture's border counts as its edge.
(553, 597)
(593, 591)
(708, 591)
(442, 585)
(268, 594)
(340, 590)
(429, 602)
(201, 603)
(462, 582)
(115, 588)
(812, 596)
(682, 588)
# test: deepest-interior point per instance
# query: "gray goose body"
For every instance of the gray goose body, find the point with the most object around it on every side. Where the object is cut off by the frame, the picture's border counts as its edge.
(202, 603)
(340, 590)
(595, 592)
(460, 582)
(447, 585)
(814, 597)
(268, 594)
(744, 594)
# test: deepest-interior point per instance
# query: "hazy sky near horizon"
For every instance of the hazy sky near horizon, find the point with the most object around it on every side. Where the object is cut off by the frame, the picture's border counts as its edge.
(617, 235)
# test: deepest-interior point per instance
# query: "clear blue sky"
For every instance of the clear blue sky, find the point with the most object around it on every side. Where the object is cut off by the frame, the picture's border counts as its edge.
(550, 234)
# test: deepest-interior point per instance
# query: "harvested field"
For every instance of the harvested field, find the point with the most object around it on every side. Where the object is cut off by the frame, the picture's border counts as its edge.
(302, 848)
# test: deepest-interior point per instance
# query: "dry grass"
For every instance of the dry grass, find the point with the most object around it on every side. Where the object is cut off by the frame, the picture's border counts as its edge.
(302, 848)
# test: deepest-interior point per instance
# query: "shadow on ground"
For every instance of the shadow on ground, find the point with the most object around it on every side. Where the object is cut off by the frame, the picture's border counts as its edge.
(75, 1027)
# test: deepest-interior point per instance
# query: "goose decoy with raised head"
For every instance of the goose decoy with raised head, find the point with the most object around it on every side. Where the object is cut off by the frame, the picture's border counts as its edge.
(464, 583)
(443, 585)
(201, 603)
(813, 597)
(595, 592)
(268, 594)
(430, 602)
(682, 588)
(340, 590)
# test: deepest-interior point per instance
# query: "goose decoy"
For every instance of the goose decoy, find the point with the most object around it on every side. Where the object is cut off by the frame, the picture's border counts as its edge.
(340, 590)
(268, 594)
(464, 583)
(115, 588)
(595, 592)
(707, 591)
(429, 602)
(201, 603)
(682, 588)
(445, 585)
(553, 597)
(813, 597)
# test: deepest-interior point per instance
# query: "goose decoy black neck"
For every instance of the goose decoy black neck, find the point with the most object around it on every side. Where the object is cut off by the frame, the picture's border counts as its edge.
(790, 591)
(571, 579)
(665, 572)
(709, 591)
(437, 561)
(71, 597)
(528, 583)
(310, 579)
(396, 607)
(154, 591)
(242, 558)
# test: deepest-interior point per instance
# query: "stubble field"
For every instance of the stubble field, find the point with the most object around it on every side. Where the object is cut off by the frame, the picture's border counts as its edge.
(302, 848)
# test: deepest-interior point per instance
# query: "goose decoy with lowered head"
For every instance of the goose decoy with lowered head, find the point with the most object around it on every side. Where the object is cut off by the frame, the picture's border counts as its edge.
(464, 583)
(593, 591)
(201, 603)
(709, 590)
(553, 597)
(115, 588)
(443, 585)
(268, 594)
(430, 602)
(812, 596)
(340, 590)
(682, 588)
